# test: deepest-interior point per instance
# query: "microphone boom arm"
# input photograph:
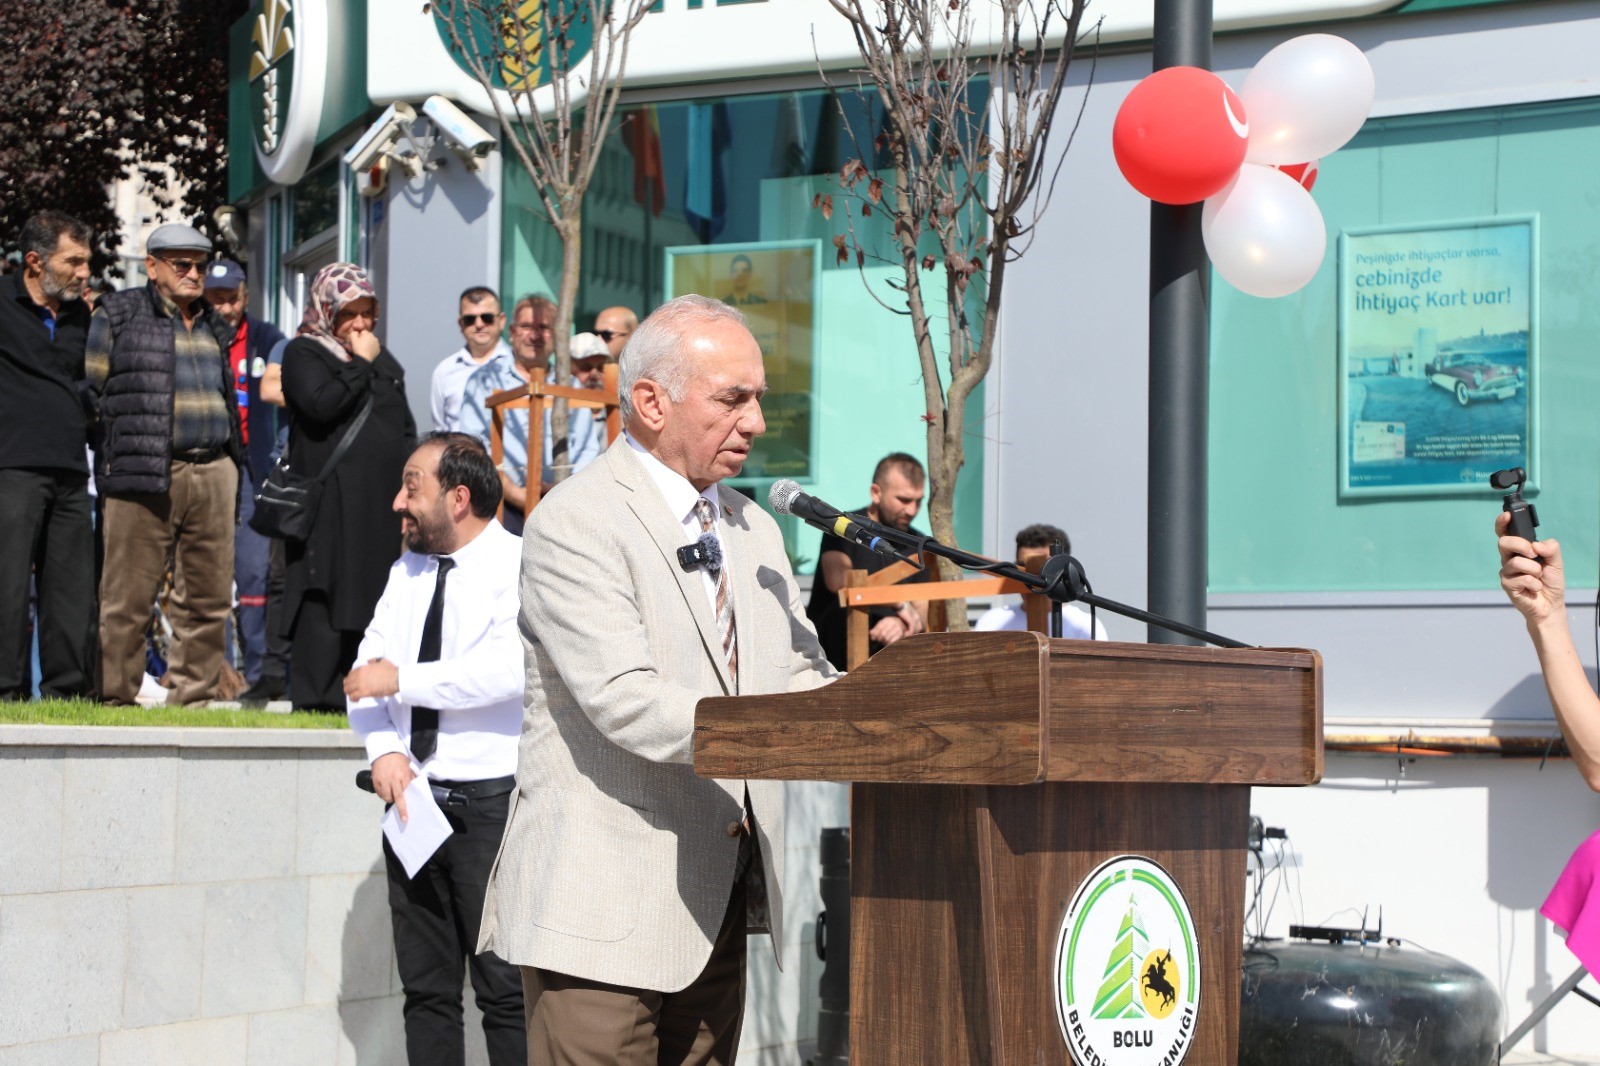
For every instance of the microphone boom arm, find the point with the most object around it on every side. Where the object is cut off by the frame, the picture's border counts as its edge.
(1062, 579)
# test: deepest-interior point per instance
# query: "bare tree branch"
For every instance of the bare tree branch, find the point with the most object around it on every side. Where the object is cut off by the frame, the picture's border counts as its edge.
(962, 188)
(555, 103)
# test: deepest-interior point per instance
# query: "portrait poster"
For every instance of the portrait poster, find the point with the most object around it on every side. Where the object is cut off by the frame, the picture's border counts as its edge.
(1438, 351)
(775, 284)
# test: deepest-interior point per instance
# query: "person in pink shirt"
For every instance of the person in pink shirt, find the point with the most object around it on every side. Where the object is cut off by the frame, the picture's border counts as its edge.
(1532, 576)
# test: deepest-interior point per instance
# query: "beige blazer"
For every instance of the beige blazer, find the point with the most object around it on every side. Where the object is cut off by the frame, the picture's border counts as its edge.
(617, 864)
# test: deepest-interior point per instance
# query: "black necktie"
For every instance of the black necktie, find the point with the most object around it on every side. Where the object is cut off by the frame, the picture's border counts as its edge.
(425, 720)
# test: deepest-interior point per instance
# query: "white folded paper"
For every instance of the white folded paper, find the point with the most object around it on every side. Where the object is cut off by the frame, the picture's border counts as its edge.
(415, 840)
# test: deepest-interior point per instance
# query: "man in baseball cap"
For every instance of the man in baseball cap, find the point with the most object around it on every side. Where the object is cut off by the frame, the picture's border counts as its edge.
(167, 467)
(258, 390)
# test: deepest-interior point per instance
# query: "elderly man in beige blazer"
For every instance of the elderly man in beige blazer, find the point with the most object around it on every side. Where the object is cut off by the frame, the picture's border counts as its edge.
(625, 883)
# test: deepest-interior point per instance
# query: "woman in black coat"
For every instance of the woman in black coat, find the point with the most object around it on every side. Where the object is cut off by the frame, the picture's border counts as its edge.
(331, 370)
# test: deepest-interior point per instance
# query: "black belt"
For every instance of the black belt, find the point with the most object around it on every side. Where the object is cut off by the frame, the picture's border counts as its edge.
(454, 793)
(200, 456)
(460, 793)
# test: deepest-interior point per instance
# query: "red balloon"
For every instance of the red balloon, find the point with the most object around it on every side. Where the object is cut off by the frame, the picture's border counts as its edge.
(1180, 136)
(1304, 173)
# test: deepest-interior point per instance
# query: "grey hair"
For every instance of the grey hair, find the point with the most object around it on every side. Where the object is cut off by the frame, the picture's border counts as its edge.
(43, 232)
(658, 349)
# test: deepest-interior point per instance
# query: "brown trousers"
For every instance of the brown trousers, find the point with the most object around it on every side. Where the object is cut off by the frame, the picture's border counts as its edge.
(573, 1022)
(193, 521)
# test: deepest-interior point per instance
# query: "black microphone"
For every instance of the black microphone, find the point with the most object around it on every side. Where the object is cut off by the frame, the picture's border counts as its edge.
(705, 552)
(786, 498)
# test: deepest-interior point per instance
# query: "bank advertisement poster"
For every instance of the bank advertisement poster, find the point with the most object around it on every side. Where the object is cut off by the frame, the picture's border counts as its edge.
(1438, 352)
(775, 285)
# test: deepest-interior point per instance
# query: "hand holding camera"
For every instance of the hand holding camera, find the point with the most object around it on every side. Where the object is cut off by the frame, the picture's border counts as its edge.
(1530, 571)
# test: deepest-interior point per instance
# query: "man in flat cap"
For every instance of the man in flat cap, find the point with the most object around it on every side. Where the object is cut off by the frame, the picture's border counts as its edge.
(167, 466)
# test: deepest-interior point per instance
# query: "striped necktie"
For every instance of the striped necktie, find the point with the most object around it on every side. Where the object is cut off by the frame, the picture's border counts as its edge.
(730, 645)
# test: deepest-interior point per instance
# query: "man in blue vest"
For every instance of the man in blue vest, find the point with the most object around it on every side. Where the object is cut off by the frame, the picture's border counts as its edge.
(248, 358)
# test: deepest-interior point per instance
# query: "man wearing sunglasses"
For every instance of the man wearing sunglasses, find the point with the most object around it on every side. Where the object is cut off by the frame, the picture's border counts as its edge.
(167, 466)
(615, 325)
(481, 323)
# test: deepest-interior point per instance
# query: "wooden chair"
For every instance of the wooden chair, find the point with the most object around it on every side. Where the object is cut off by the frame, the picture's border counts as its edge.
(535, 397)
(863, 590)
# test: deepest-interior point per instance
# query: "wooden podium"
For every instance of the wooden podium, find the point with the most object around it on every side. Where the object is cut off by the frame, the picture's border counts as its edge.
(995, 772)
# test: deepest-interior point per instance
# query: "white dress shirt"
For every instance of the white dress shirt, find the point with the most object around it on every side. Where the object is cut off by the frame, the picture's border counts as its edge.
(1074, 621)
(681, 497)
(476, 684)
(450, 380)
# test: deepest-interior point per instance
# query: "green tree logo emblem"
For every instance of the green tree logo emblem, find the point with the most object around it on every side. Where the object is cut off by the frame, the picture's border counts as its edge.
(1118, 996)
(522, 43)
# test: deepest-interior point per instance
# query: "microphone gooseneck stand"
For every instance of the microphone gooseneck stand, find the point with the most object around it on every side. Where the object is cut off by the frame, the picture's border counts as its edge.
(1061, 578)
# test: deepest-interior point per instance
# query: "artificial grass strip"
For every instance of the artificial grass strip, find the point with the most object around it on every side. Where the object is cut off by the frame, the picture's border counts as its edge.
(82, 712)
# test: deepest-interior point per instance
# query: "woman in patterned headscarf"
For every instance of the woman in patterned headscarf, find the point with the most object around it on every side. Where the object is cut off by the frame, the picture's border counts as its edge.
(334, 373)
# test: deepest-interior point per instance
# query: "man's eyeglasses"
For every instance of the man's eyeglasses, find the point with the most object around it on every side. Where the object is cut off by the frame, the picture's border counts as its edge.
(608, 334)
(485, 319)
(181, 267)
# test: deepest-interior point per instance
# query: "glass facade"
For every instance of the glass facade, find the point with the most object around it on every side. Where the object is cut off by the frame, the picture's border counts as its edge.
(720, 197)
(1275, 363)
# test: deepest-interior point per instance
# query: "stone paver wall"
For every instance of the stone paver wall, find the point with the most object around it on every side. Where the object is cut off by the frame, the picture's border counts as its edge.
(216, 897)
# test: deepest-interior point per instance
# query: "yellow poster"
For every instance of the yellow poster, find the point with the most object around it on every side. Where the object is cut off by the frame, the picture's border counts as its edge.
(775, 286)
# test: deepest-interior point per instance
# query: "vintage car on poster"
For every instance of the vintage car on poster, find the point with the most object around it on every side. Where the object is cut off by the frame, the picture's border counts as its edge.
(1469, 376)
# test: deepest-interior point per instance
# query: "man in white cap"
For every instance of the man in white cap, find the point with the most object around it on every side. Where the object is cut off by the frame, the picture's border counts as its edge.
(167, 466)
(586, 434)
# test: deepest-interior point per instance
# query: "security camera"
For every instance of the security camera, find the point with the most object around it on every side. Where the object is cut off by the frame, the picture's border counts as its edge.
(381, 139)
(468, 139)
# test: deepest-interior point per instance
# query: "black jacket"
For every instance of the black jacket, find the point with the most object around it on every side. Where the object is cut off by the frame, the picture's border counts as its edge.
(356, 536)
(41, 414)
(134, 450)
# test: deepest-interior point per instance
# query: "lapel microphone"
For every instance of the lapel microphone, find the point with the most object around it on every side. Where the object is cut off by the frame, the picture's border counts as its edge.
(705, 553)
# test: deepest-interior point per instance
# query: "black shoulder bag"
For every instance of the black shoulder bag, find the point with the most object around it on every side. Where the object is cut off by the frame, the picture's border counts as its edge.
(286, 505)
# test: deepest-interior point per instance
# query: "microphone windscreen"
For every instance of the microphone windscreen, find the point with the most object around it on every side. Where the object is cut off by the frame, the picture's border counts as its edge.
(782, 495)
(711, 551)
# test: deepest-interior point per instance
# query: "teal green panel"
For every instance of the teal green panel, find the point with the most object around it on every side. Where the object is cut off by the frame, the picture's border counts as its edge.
(244, 173)
(530, 251)
(1276, 520)
(345, 99)
(1441, 5)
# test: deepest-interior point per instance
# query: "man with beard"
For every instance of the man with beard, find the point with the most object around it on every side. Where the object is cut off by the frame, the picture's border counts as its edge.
(439, 693)
(898, 485)
(45, 528)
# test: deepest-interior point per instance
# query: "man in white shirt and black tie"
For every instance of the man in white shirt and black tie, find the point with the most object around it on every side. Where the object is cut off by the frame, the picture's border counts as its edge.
(439, 691)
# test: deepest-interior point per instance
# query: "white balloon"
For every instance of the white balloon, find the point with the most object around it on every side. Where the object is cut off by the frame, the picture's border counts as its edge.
(1306, 98)
(1264, 233)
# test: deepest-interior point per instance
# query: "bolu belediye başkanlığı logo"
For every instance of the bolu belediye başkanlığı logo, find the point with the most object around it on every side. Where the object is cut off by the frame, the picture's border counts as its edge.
(1127, 973)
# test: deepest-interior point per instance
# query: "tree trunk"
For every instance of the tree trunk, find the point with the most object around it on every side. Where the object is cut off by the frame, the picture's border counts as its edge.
(561, 373)
(944, 464)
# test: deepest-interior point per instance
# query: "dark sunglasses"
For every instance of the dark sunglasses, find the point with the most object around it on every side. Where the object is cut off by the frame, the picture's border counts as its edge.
(484, 319)
(607, 334)
(182, 267)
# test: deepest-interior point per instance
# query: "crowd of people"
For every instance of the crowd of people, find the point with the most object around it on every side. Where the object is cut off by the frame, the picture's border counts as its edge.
(542, 687)
(137, 428)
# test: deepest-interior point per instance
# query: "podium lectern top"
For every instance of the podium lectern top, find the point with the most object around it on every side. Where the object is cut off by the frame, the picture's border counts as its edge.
(1019, 708)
